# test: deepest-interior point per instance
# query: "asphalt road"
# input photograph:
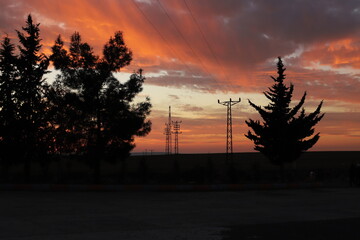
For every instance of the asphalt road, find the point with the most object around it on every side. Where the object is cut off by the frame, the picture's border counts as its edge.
(273, 214)
(333, 229)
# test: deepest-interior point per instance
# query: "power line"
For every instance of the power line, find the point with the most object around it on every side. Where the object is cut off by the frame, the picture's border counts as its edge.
(182, 36)
(161, 35)
(204, 38)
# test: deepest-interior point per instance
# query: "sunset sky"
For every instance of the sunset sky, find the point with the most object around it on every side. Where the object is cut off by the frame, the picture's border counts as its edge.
(195, 52)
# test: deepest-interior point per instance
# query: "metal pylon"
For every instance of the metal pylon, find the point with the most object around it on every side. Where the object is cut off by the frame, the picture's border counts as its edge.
(176, 128)
(229, 143)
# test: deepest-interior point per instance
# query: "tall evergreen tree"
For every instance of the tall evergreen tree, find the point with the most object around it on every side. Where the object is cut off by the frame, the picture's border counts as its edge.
(32, 66)
(8, 105)
(283, 134)
(103, 121)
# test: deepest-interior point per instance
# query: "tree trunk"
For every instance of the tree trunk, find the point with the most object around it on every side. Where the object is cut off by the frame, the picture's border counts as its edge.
(99, 145)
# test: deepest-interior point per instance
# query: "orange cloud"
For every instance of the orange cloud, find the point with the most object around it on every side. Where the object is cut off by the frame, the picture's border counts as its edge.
(245, 37)
(336, 54)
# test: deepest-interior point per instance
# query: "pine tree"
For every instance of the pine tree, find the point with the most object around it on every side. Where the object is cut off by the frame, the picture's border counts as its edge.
(283, 134)
(8, 105)
(104, 122)
(32, 66)
(8, 77)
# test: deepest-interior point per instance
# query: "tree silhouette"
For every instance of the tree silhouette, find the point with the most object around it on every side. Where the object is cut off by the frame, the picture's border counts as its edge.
(9, 106)
(283, 135)
(32, 67)
(94, 111)
(22, 101)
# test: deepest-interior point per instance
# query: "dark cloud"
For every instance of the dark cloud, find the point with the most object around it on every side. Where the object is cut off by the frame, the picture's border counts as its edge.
(11, 15)
(191, 108)
(174, 97)
(257, 30)
(195, 83)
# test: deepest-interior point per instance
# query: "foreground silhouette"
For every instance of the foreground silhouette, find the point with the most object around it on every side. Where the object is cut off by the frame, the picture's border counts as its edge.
(283, 135)
(86, 112)
(23, 123)
(93, 109)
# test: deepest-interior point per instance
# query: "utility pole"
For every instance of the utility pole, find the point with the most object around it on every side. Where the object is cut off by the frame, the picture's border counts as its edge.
(167, 133)
(176, 128)
(229, 144)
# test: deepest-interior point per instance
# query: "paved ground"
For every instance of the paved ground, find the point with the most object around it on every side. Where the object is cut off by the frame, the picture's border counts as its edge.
(308, 214)
(333, 229)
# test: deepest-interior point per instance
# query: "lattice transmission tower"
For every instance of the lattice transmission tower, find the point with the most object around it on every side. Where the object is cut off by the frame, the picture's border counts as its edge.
(229, 144)
(176, 128)
(167, 132)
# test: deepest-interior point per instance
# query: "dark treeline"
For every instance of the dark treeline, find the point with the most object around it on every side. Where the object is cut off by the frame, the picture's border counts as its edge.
(86, 112)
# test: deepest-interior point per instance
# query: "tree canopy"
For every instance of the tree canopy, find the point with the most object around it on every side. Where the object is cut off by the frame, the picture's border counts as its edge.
(284, 132)
(86, 111)
(23, 102)
(95, 114)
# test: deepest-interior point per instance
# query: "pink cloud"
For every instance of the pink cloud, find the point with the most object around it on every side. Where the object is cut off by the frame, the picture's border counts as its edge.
(245, 37)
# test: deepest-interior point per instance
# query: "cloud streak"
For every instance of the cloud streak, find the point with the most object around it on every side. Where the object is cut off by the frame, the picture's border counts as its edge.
(233, 52)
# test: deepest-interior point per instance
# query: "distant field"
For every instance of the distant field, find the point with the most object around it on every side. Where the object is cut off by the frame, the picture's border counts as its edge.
(309, 160)
(250, 167)
(330, 167)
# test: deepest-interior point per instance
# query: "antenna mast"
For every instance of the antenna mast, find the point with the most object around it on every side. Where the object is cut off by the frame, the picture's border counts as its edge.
(167, 133)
